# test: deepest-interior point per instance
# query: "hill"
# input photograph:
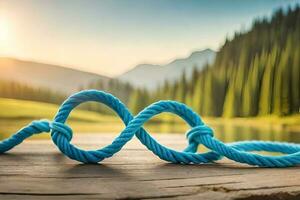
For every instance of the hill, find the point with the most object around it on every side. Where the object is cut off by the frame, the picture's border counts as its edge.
(17, 113)
(151, 76)
(53, 77)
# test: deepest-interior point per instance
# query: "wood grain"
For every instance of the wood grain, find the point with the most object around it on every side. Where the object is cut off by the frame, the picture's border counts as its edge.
(37, 170)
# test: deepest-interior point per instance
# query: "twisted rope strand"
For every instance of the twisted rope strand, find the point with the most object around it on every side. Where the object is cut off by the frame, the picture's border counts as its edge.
(199, 133)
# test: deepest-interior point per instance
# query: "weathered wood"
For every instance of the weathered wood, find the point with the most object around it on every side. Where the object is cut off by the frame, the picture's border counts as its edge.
(37, 170)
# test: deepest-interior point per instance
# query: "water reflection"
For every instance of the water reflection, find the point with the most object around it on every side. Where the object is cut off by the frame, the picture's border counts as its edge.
(238, 133)
(231, 133)
(226, 132)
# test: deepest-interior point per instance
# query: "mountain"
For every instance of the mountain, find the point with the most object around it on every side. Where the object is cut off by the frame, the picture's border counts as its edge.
(150, 76)
(54, 77)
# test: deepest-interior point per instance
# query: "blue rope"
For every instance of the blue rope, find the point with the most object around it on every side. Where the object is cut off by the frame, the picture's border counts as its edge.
(198, 134)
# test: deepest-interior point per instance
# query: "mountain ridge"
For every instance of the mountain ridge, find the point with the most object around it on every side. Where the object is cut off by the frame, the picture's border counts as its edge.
(52, 65)
(54, 77)
(68, 80)
(151, 75)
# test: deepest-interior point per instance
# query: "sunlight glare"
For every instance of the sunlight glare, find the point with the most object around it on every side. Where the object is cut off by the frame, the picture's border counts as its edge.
(4, 30)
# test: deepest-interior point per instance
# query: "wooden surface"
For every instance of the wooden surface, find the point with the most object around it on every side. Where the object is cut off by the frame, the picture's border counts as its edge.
(36, 170)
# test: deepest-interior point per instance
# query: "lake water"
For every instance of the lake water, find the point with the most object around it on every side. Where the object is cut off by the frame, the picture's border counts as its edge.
(229, 132)
(238, 133)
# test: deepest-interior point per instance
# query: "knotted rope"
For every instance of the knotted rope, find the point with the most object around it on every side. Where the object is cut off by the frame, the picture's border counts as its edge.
(199, 134)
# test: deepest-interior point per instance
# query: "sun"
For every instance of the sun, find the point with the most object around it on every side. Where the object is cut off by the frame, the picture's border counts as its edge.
(4, 30)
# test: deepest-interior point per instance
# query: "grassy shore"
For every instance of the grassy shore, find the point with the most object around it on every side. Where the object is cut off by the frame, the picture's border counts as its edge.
(15, 114)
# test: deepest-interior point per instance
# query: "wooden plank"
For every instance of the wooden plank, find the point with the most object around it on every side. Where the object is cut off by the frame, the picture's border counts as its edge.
(37, 170)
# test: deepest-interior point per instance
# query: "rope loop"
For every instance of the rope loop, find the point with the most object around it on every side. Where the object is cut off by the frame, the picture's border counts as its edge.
(62, 134)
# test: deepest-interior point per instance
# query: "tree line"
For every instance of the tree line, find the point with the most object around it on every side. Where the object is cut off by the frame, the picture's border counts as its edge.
(22, 91)
(118, 88)
(16, 90)
(255, 73)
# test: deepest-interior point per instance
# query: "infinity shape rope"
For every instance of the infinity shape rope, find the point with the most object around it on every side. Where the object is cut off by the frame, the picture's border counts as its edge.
(199, 133)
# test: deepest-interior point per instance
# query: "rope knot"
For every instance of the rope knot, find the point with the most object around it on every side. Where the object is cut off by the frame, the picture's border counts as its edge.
(42, 125)
(197, 131)
(63, 129)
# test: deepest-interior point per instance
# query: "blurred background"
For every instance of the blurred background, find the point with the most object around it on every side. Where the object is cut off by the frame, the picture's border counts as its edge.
(236, 63)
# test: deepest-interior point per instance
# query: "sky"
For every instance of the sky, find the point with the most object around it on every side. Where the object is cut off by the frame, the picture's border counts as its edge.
(110, 37)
